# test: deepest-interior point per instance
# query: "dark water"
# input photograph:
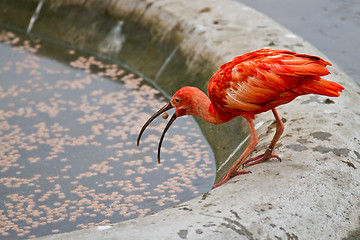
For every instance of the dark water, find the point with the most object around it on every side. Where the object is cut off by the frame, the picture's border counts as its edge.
(68, 154)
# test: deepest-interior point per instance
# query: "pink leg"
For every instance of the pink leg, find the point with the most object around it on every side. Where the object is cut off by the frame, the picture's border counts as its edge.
(233, 171)
(269, 151)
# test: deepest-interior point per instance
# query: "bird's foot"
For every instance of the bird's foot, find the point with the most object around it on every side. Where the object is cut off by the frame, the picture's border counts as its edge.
(229, 175)
(262, 157)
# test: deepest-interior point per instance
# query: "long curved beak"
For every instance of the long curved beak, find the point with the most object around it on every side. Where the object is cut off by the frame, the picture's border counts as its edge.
(172, 119)
(163, 109)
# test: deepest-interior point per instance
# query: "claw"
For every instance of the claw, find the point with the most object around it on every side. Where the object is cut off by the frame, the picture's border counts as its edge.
(261, 158)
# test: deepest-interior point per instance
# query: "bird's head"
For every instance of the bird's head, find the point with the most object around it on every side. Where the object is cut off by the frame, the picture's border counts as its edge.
(184, 102)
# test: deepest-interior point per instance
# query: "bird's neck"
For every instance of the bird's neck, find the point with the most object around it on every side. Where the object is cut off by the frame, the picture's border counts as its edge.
(203, 107)
(216, 116)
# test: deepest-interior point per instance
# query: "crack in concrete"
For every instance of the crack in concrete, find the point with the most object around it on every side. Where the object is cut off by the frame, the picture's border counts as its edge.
(290, 236)
(232, 224)
(237, 227)
(205, 195)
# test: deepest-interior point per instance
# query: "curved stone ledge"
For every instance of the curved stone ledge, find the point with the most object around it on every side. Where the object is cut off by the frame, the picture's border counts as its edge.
(314, 193)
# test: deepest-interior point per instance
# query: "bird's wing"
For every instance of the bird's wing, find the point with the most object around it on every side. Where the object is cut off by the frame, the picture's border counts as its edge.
(249, 83)
(251, 86)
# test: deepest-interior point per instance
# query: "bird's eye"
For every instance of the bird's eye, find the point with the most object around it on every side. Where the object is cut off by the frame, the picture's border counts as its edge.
(176, 100)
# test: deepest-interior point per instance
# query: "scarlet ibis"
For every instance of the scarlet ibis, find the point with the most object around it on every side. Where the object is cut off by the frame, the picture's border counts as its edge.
(250, 84)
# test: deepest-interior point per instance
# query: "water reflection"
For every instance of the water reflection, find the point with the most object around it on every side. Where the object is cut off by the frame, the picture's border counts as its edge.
(68, 155)
(35, 16)
(114, 41)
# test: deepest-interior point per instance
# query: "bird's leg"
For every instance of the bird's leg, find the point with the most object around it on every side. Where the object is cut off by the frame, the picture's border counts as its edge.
(233, 171)
(269, 151)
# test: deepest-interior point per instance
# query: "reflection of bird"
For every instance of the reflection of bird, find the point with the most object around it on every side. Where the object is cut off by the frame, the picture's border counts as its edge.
(250, 84)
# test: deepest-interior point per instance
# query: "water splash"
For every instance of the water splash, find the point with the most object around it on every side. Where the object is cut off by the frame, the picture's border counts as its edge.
(114, 41)
(35, 16)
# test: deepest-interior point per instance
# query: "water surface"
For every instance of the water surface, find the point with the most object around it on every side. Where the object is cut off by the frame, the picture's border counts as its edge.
(68, 154)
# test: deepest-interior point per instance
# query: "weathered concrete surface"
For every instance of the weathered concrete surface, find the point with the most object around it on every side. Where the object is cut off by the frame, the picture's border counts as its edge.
(314, 193)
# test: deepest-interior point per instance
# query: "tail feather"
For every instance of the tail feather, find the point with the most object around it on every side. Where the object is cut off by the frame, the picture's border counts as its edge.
(318, 86)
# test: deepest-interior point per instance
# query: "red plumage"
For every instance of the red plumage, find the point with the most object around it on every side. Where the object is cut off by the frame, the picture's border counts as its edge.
(259, 81)
(248, 85)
